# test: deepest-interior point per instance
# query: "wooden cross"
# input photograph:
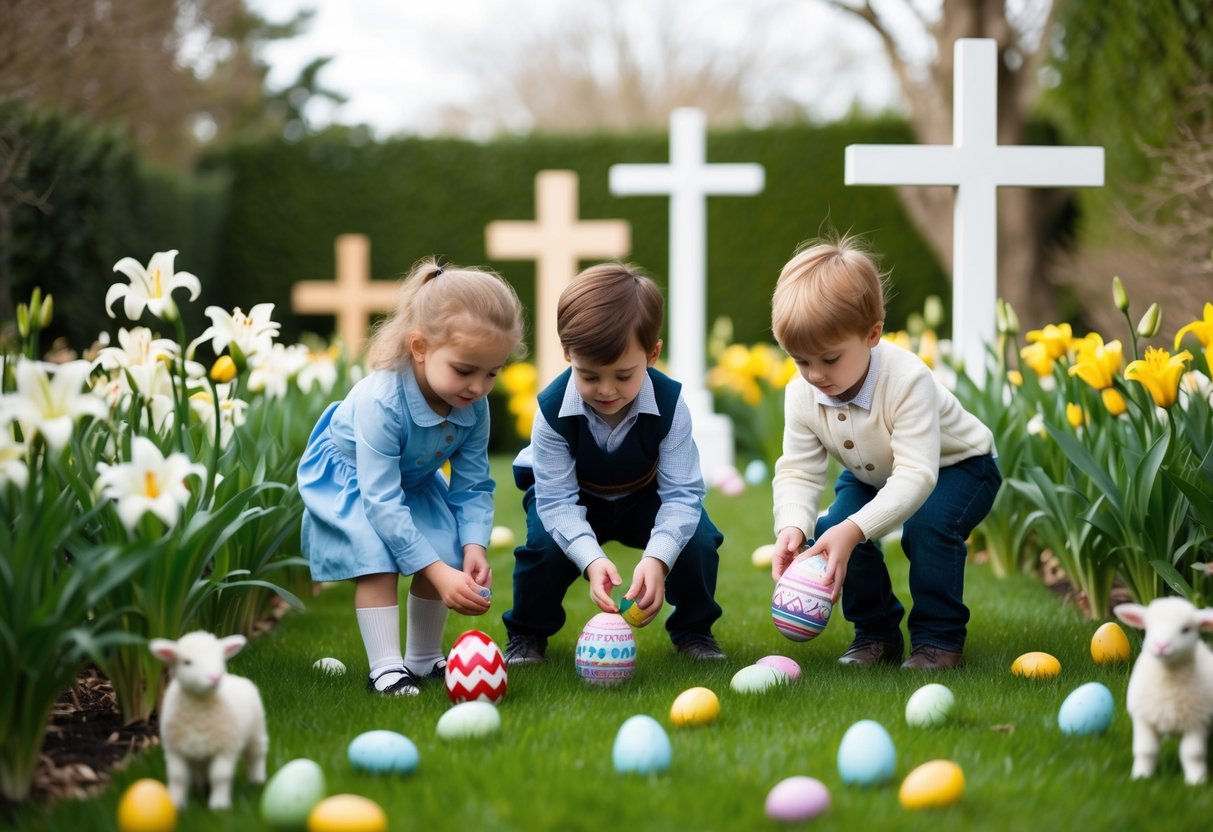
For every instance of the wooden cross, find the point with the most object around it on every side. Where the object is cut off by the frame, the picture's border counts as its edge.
(976, 165)
(353, 297)
(557, 242)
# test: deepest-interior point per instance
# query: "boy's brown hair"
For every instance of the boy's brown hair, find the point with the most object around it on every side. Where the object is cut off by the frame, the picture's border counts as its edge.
(826, 293)
(604, 308)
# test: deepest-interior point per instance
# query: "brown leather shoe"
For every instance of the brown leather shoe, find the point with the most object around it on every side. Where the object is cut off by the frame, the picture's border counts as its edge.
(927, 657)
(867, 651)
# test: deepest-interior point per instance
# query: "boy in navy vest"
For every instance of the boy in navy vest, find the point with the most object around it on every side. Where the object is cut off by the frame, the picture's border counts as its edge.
(612, 458)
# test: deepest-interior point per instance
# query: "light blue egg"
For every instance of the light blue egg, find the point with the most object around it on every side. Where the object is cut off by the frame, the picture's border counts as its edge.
(756, 472)
(641, 746)
(1088, 710)
(866, 756)
(383, 751)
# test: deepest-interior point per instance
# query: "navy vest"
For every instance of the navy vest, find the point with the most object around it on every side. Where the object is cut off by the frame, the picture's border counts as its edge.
(633, 465)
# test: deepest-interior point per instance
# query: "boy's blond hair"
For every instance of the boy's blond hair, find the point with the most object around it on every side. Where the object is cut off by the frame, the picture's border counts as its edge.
(445, 303)
(604, 308)
(829, 291)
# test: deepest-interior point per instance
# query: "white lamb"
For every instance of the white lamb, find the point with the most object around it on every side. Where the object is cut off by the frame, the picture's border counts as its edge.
(209, 718)
(1171, 688)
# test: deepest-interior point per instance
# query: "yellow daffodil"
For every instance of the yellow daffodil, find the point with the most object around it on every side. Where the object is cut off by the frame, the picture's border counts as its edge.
(785, 371)
(1159, 373)
(1202, 329)
(520, 378)
(1075, 416)
(762, 361)
(1112, 400)
(1097, 363)
(1015, 377)
(928, 348)
(1055, 338)
(1037, 357)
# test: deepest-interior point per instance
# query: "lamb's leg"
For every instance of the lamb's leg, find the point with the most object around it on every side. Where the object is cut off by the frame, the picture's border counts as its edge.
(1192, 756)
(254, 756)
(177, 770)
(1145, 749)
(222, 768)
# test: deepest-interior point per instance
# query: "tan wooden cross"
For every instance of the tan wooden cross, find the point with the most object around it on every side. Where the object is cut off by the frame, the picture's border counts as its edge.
(353, 297)
(557, 242)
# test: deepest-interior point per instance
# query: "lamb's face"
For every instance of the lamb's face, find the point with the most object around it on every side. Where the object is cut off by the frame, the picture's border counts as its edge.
(1172, 630)
(200, 663)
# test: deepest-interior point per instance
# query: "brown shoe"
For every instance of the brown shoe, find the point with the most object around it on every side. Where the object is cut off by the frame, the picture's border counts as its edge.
(927, 657)
(868, 651)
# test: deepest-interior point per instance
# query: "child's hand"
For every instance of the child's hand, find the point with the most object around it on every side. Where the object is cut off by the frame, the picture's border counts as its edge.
(603, 577)
(787, 545)
(836, 546)
(648, 587)
(476, 565)
(456, 589)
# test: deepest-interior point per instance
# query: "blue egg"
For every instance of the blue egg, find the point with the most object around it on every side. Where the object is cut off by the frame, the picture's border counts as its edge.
(382, 752)
(866, 756)
(1088, 710)
(756, 472)
(641, 746)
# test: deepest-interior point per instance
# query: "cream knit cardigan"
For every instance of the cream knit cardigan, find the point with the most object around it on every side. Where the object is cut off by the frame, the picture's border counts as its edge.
(915, 427)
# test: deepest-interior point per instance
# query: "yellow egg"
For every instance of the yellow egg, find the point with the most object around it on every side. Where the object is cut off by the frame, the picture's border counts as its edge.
(763, 556)
(1110, 645)
(931, 785)
(146, 807)
(347, 813)
(1036, 666)
(696, 706)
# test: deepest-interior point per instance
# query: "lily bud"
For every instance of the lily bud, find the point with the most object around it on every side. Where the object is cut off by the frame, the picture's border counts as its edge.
(23, 320)
(932, 311)
(1150, 322)
(1008, 321)
(48, 312)
(223, 370)
(1119, 296)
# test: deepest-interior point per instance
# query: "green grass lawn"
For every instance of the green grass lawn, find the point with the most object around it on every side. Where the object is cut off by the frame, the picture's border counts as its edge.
(549, 767)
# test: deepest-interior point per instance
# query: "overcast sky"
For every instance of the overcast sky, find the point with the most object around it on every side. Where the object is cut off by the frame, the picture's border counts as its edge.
(398, 60)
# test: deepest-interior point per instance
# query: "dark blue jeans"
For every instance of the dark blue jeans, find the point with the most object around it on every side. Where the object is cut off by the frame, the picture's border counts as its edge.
(543, 574)
(934, 543)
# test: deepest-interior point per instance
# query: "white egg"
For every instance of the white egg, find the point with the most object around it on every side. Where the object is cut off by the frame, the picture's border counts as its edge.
(763, 556)
(329, 665)
(929, 705)
(756, 678)
(468, 720)
(501, 537)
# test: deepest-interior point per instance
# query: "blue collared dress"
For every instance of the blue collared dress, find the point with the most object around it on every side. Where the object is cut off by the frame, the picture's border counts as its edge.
(374, 496)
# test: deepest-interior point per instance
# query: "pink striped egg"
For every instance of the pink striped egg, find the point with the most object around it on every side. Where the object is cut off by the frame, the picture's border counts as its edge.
(800, 605)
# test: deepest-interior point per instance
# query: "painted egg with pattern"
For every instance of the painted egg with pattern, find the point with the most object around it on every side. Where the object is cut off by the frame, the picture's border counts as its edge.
(475, 669)
(292, 793)
(1087, 710)
(1110, 645)
(1036, 665)
(797, 799)
(641, 746)
(866, 756)
(146, 807)
(347, 813)
(606, 650)
(932, 785)
(800, 604)
(696, 706)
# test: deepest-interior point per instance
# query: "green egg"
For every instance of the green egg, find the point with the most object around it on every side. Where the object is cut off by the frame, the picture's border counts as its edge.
(291, 793)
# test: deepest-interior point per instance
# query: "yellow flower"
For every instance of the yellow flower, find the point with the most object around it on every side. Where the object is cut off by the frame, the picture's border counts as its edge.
(223, 370)
(1097, 363)
(901, 338)
(1159, 373)
(1112, 400)
(520, 378)
(762, 360)
(928, 348)
(1075, 415)
(1037, 357)
(1056, 339)
(1202, 329)
(784, 372)
(735, 360)
(1015, 377)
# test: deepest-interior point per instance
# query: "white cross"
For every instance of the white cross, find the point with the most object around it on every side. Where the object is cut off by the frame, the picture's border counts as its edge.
(976, 165)
(689, 180)
(557, 242)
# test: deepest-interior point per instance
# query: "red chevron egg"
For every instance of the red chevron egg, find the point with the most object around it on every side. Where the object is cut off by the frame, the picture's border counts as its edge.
(475, 669)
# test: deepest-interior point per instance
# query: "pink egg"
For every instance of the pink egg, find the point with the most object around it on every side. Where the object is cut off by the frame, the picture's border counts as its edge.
(797, 799)
(606, 650)
(783, 664)
(475, 669)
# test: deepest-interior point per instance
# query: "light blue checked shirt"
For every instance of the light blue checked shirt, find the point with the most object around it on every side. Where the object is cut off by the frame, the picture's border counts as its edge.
(863, 399)
(679, 481)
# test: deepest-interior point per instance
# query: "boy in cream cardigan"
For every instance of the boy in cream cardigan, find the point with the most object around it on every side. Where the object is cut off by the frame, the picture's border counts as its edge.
(912, 456)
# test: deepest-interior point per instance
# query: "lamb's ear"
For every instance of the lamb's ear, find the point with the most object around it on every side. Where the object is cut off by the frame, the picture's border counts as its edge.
(1132, 614)
(163, 649)
(1204, 618)
(232, 645)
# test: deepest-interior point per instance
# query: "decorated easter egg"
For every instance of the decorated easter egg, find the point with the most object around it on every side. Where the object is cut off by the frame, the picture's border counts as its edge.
(782, 664)
(291, 793)
(866, 756)
(383, 752)
(696, 706)
(756, 678)
(641, 746)
(797, 799)
(146, 807)
(800, 605)
(347, 813)
(1110, 645)
(931, 785)
(501, 537)
(329, 665)
(631, 612)
(1036, 666)
(755, 472)
(1087, 710)
(475, 669)
(763, 556)
(469, 720)
(606, 650)
(929, 705)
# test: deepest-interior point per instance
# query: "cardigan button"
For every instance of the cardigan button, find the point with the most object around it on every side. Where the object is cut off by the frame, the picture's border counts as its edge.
(870, 467)
(848, 444)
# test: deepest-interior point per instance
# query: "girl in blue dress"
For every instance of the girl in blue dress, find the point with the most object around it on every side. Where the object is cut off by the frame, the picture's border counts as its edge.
(376, 505)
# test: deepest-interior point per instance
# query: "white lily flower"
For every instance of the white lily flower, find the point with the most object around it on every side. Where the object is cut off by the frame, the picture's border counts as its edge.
(151, 287)
(13, 467)
(50, 398)
(149, 482)
(272, 371)
(231, 412)
(137, 347)
(321, 370)
(253, 333)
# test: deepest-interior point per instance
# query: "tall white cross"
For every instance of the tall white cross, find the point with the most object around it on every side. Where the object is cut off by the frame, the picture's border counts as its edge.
(557, 242)
(689, 180)
(976, 165)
